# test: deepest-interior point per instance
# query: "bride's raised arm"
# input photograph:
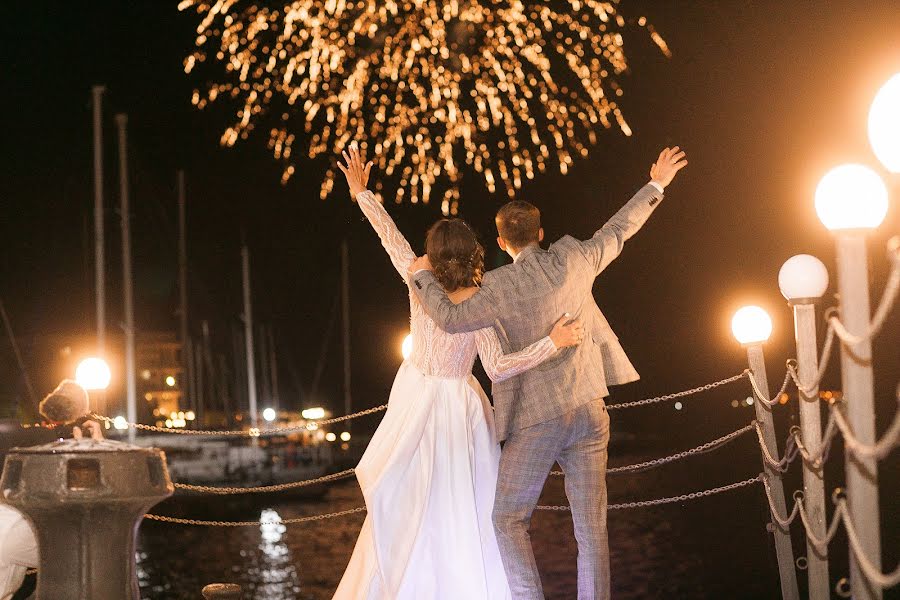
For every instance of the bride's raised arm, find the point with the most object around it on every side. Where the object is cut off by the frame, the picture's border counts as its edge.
(357, 173)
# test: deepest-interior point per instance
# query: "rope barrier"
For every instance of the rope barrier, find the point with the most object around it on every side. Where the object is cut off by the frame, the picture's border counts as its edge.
(697, 390)
(880, 448)
(707, 447)
(810, 388)
(888, 297)
(314, 518)
(790, 452)
(761, 396)
(252, 432)
(264, 488)
(841, 515)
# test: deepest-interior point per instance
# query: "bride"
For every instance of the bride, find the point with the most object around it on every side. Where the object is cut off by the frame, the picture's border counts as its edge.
(429, 474)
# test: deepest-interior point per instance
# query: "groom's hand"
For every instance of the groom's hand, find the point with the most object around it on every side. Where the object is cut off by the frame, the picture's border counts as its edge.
(670, 161)
(420, 264)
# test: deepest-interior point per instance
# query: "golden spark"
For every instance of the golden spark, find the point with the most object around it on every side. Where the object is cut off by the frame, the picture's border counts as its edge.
(436, 86)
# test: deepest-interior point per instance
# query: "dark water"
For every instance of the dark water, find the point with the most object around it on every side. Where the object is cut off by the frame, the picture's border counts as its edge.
(715, 547)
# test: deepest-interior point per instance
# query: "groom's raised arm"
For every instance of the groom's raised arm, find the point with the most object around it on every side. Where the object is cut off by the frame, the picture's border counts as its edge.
(607, 243)
(478, 312)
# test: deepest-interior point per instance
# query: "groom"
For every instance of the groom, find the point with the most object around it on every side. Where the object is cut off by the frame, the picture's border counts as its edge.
(556, 411)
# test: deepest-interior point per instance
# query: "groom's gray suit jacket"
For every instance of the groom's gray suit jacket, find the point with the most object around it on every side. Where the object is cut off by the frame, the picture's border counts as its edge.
(523, 300)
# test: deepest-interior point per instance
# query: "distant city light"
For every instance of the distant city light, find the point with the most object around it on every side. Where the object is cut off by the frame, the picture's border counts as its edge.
(735, 404)
(190, 415)
(120, 423)
(145, 374)
(345, 437)
(407, 346)
(679, 406)
(93, 374)
(269, 414)
(330, 436)
(170, 381)
(312, 426)
(313, 414)
(750, 401)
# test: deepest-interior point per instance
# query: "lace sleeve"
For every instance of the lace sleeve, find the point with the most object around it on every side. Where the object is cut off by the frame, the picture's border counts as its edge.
(393, 241)
(500, 366)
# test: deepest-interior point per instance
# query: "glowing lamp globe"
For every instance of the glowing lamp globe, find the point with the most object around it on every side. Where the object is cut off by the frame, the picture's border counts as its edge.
(851, 196)
(803, 277)
(884, 124)
(93, 374)
(751, 325)
(406, 347)
(269, 414)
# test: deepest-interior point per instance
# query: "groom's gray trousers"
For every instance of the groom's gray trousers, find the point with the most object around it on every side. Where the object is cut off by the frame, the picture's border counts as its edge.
(578, 441)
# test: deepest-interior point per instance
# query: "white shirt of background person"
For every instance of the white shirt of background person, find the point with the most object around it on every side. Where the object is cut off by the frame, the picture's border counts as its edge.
(18, 550)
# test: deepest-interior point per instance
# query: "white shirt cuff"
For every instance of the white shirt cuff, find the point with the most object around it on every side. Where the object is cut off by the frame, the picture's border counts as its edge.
(657, 186)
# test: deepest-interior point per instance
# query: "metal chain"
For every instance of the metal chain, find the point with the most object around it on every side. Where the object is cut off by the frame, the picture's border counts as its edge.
(762, 397)
(640, 504)
(672, 500)
(697, 390)
(293, 521)
(252, 432)
(707, 447)
(888, 297)
(264, 488)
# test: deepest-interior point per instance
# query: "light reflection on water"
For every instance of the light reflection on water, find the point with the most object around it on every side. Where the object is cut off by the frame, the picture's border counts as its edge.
(276, 571)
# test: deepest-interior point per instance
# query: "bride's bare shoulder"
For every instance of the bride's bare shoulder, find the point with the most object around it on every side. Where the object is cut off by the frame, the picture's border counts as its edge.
(462, 294)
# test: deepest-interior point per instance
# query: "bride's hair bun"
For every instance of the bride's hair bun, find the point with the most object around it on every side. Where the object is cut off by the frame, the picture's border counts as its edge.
(455, 254)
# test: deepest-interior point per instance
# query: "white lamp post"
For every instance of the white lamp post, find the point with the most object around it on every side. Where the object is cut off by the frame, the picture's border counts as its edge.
(752, 326)
(851, 200)
(803, 280)
(884, 124)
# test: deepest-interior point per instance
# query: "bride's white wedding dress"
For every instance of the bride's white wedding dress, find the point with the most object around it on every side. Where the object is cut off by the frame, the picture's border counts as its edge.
(429, 474)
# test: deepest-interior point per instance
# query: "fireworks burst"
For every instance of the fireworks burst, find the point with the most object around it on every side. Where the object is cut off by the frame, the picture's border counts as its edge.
(436, 86)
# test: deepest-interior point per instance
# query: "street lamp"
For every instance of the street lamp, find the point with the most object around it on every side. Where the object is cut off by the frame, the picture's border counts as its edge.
(752, 326)
(852, 200)
(407, 346)
(851, 196)
(93, 374)
(803, 280)
(884, 124)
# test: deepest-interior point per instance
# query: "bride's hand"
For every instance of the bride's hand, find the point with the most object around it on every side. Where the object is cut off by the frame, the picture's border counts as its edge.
(566, 332)
(356, 170)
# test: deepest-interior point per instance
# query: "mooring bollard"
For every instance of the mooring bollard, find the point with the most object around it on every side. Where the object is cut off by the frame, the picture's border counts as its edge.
(85, 499)
(222, 591)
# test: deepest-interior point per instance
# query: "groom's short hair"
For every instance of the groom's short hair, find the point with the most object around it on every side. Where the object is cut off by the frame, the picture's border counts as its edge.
(519, 224)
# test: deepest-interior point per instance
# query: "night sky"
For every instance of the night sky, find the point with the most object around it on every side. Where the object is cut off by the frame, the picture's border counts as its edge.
(764, 97)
